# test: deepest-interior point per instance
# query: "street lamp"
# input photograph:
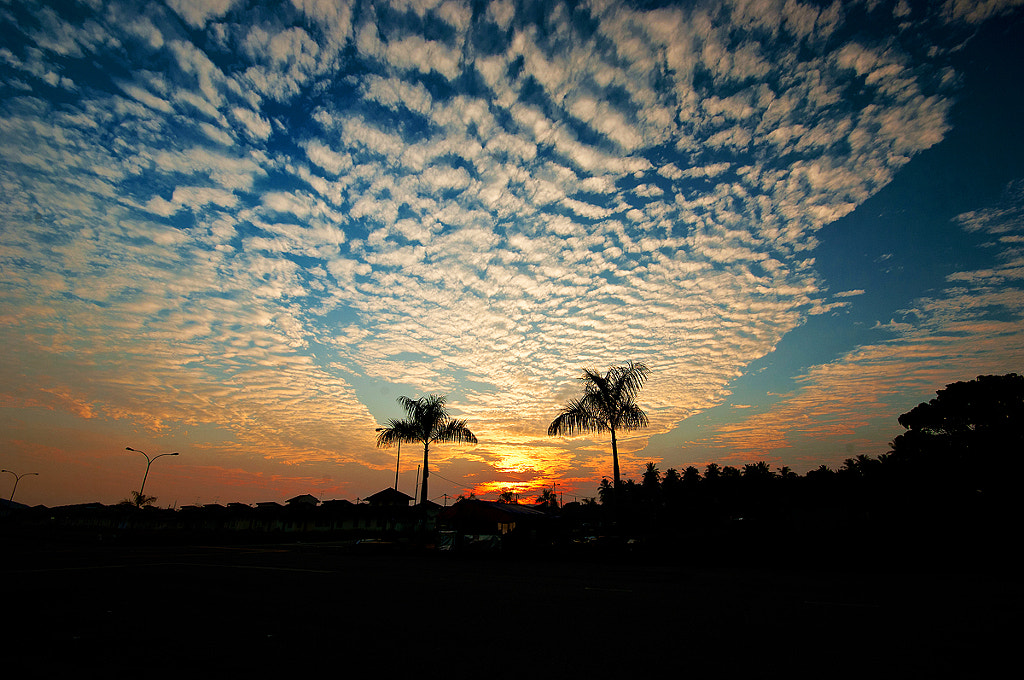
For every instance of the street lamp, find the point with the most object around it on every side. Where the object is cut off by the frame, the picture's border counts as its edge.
(17, 478)
(398, 458)
(149, 461)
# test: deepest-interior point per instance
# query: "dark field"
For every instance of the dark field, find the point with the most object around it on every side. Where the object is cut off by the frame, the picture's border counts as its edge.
(316, 609)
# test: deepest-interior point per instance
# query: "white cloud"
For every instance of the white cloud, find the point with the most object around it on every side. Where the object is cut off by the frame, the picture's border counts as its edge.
(327, 158)
(394, 93)
(255, 125)
(194, 62)
(148, 98)
(195, 197)
(415, 53)
(160, 206)
(501, 13)
(197, 12)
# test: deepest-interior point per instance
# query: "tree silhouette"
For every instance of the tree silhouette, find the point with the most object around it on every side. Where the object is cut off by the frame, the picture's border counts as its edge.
(969, 429)
(139, 500)
(396, 432)
(989, 402)
(982, 416)
(548, 499)
(608, 404)
(730, 472)
(821, 472)
(651, 478)
(427, 422)
(759, 471)
(671, 483)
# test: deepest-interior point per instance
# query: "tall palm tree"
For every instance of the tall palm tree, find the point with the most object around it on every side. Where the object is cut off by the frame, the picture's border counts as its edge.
(427, 421)
(608, 404)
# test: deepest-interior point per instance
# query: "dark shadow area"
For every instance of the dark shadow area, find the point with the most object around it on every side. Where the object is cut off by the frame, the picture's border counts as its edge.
(272, 611)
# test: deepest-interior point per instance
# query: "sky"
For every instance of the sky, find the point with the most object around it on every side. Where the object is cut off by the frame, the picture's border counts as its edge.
(241, 230)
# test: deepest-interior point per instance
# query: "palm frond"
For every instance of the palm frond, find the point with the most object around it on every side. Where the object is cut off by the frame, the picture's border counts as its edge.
(395, 432)
(424, 408)
(427, 421)
(632, 417)
(578, 416)
(595, 384)
(453, 431)
(408, 403)
(628, 379)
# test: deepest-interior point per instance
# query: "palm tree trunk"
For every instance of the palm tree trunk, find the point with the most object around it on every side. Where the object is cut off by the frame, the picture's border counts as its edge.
(615, 463)
(617, 483)
(423, 486)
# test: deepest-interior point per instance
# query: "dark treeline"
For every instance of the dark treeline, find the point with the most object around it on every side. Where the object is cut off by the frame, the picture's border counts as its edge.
(949, 480)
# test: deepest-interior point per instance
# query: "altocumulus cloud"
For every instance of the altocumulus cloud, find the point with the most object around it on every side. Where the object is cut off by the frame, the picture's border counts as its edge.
(220, 212)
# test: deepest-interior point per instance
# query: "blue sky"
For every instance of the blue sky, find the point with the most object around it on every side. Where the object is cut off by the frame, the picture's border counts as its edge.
(240, 230)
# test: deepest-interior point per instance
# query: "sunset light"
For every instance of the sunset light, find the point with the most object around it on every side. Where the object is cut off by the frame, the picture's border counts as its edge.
(242, 230)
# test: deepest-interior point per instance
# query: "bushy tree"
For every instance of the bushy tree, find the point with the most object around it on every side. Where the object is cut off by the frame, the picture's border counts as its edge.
(967, 439)
(979, 417)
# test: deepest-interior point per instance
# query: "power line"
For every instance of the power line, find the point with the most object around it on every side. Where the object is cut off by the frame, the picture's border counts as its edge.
(434, 474)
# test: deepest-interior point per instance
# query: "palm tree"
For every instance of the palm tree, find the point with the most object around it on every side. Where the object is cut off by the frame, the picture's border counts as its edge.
(548, 499)
(396, 432)
(139, 500)
(427, 421)
(608, 404)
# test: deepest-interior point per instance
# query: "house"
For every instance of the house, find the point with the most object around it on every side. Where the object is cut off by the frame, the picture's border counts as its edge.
(304, 500)
(386, 512)
(389, 498)
(340, 515)
(492, 524)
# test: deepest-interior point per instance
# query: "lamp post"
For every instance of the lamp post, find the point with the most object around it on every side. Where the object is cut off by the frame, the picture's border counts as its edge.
(398, 458)
(149, 461)
(17, 478)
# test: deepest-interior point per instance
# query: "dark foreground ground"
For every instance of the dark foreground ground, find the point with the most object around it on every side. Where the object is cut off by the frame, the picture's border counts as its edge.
(290, 611)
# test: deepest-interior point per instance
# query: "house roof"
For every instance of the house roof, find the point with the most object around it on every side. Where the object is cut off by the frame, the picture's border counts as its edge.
(304, 498)
(337, 503)
(389, 496)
